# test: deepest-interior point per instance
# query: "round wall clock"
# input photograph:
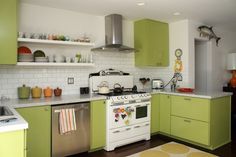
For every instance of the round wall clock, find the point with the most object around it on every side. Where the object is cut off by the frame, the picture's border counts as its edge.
(178, 52)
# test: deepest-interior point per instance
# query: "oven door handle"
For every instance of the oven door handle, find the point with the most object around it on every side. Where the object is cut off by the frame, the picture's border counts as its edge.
(142, 105)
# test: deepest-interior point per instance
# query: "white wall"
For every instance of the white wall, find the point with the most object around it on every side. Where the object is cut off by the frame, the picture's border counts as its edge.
(40, 19)
(201, 64)
(217, 73)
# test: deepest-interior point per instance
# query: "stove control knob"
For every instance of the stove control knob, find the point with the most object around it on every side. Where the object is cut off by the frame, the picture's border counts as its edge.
(126, 97)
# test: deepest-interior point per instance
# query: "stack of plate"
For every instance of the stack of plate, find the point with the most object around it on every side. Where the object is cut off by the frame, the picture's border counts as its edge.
(41, 59)
(24, 54)
(25, 57)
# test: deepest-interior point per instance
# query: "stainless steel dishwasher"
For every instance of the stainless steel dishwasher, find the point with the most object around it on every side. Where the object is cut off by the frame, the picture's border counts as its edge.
(76, 141)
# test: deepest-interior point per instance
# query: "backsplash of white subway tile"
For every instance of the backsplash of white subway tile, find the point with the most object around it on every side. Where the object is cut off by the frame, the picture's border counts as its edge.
(12, 77)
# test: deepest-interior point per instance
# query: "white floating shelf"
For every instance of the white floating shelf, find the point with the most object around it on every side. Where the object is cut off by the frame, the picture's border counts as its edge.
(56, 42)
(54, 64)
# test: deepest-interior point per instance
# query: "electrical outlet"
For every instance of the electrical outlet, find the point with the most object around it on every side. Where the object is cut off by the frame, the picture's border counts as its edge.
(180, 77)
(70, 80)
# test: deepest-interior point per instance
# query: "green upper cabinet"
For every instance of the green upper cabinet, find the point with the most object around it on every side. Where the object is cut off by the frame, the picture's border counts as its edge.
(39, 132)
(155, 113)
(98, 124)
(8, 31)
(151, 40)
(165, 104)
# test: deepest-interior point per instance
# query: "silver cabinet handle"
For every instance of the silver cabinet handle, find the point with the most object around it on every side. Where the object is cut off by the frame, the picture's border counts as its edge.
(116, 131)
(146, 125)
(188, 121)
(188, 99)
(128, 129)
(137, 126)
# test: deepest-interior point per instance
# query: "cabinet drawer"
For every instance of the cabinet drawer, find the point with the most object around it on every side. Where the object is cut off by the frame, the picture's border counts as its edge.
(188, 107)
(192, 130)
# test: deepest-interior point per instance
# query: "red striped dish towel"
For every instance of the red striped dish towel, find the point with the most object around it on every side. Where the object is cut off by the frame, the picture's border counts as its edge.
(67, 120)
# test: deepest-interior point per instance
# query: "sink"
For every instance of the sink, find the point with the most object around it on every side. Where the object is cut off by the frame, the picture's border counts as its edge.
(5, 111)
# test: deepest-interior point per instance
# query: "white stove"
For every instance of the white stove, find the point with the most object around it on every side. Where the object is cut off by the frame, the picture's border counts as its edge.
(127, 114)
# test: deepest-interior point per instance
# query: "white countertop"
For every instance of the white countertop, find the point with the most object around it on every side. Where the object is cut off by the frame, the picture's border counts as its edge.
(19, 103)
(197, 94)
(18, 124)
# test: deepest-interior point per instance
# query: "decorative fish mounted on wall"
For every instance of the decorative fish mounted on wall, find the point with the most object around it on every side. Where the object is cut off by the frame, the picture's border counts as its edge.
(206, 31)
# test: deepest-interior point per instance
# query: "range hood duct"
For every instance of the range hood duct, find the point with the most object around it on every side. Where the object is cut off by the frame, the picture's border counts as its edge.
(113, 35)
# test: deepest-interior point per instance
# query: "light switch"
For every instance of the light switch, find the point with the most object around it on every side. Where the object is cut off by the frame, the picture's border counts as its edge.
(70, 80)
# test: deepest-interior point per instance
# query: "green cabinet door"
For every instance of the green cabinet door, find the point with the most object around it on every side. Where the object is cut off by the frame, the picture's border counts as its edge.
(165, 104)
(193, 108)
(8, 31)
(12, 144)
(98, 124)
(193, 130)
(151, 40)
(155, 113)
(39, 131)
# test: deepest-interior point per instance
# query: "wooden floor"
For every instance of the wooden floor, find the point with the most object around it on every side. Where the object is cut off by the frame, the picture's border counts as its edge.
(228, 150)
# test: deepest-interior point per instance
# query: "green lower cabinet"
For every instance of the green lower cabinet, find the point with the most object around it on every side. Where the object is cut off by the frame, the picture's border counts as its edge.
(12, 144)
(193, 130)
(204, 122)
(39, 131)
(193, 108)
(97, 124)
(155, 113)
(165, 104)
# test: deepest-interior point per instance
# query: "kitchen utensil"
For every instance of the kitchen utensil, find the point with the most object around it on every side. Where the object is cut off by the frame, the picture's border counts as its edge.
(157, 84)
(135, 89)
(185, 90)
(23, 49)
(47, 92)
(36, 92)
(103, 88)
(118, 88)
(57, 91)
(23, 92)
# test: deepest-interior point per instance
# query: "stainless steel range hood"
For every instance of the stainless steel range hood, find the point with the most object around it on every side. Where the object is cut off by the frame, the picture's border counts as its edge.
(113, 35)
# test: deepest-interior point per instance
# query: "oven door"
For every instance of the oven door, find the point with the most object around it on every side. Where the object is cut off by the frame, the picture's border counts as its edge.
(128, 114)
(120, 115)
(141, 112)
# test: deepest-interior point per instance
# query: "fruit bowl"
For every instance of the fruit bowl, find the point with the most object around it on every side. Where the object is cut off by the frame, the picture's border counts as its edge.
(185, 90)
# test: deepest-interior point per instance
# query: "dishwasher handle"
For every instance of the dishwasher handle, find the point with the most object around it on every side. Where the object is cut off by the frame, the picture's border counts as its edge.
(76, 109)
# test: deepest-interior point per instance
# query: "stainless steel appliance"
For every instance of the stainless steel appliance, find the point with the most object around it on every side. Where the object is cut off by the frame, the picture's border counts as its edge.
(113, 35)
(127, 112)
(157, 84)
(76, 141)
